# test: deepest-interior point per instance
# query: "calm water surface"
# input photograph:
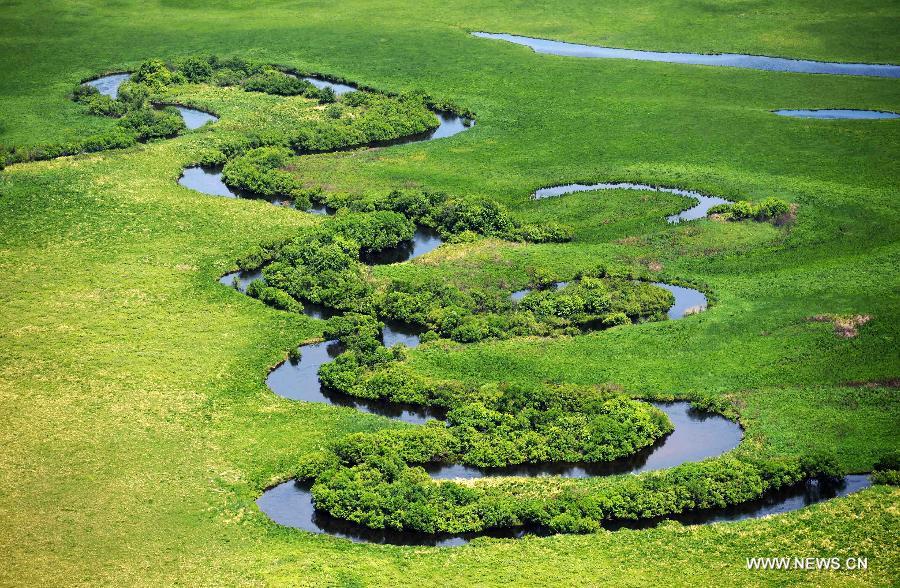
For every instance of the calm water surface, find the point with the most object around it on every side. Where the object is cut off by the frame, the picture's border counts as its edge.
(718, 59)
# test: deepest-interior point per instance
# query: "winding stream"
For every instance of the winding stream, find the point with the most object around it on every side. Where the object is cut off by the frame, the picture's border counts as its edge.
(299, 380)
(716, 59)
(207, 179)
(838, 114)
(336, 87)
(704, 203)
(697, 435)
(109, 85)
(687, 300)
(291, 504)
(193, 118)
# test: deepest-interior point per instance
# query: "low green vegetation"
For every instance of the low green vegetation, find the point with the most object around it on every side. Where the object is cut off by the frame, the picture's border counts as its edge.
(139, 430)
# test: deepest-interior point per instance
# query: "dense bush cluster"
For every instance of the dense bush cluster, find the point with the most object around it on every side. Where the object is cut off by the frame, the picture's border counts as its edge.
(149, 123)
(456, 216)
(887, 470)
(259, 172)
(273, 297)
(770, 209)
(589, 302)
(378, 118)
(323, 266)
(368, 479)
(375, 479)
(115, 138)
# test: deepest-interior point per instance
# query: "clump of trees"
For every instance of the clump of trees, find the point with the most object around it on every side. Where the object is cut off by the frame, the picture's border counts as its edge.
(259, 171)
(769, 209)
(274, 297)
(453, 216)
(589, 302)
(887, 469)
(323, 266)
(379, 117)
(367, 479)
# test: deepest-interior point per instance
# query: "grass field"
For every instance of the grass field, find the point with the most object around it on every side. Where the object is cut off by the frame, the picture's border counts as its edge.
(138, 430)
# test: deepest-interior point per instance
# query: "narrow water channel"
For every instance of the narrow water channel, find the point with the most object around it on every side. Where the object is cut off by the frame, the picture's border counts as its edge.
(109, 85)
(716, 59)
(704, 202)
(291, 504)
(838, 114)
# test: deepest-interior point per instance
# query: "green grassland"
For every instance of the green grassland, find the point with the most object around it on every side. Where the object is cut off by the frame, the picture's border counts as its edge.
(138, 430)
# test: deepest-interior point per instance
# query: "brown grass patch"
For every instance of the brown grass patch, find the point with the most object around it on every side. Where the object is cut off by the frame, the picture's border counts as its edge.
(788, 218)
(846, 326)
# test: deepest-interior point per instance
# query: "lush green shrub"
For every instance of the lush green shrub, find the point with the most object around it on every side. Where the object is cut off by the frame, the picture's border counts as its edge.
(149, 123)
(550, 232)
(325, 95)
(272, 81)
(889, 477)
(766, 210)
(486, 218)
(380, 492)
(113, 139)
(197, 69)
(771, 208)
(891, 461)
(373, 231)
(133, 95)
(258, 172)
(822, 465)
(323, 268)
(156, 75)
(719, 209)
(105, 106)
(260, 255)
(273, 296)
(84, 92)
(742, 210)
(352, 327)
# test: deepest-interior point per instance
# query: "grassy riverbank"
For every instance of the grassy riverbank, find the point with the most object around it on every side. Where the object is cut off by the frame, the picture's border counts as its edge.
(138, 429)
